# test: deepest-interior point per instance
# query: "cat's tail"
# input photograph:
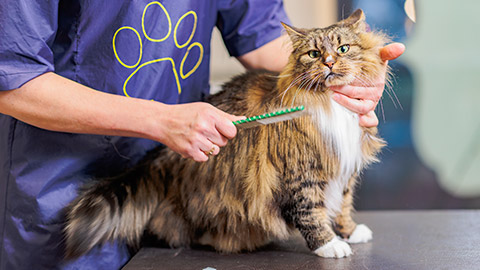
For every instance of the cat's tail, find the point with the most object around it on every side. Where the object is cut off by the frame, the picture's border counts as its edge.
(111, 209)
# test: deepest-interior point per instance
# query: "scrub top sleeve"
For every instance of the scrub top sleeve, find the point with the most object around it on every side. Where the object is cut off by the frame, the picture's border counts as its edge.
(27, 30)
(246, 25)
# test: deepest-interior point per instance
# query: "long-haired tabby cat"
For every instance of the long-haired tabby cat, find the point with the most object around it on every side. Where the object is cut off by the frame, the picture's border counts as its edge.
(269, 180)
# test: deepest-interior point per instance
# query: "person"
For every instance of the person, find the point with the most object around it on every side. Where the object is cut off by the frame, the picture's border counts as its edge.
(88, 88)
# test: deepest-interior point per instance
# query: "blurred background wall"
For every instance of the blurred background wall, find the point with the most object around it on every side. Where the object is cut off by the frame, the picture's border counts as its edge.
(431, 116)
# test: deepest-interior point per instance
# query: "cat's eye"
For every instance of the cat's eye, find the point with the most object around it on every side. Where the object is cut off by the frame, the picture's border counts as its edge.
(343, 49)
(314, 54)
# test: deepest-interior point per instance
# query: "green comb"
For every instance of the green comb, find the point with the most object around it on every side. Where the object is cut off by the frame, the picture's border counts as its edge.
(269, 118)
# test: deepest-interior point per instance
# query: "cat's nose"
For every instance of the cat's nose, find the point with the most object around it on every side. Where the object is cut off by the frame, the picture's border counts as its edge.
(329, 64)
(329, 61)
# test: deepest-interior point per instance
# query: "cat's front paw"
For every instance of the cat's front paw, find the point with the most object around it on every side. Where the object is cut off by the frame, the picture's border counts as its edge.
(334, 249)
(361, 234)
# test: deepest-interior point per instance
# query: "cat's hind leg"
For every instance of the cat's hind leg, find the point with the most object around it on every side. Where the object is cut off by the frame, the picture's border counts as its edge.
(169, 225)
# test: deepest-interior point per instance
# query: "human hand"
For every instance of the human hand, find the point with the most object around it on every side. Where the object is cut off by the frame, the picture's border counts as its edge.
(197, 130)
(363, 99)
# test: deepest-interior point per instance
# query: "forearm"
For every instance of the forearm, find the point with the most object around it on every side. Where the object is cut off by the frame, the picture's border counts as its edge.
(271, 56)
(56, 103)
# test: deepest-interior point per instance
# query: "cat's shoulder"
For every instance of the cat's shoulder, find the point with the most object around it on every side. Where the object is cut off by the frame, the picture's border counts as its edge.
(245, 91)
(252, 78)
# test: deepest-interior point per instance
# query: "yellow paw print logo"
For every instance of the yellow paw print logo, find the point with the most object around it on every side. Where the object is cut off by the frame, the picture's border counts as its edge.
(178, 72)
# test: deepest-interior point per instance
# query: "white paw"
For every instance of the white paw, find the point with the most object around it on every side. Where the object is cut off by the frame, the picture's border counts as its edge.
(334, 249)
(361, 234)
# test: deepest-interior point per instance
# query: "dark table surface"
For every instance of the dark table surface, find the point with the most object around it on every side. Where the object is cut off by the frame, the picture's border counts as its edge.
(401, 240)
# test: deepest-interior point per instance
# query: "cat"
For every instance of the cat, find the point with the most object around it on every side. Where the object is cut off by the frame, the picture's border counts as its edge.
(268, 181)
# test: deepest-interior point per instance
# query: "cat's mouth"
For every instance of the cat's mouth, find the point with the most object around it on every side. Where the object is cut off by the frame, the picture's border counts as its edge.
(335, 78)
(328, 79)
(331, 76)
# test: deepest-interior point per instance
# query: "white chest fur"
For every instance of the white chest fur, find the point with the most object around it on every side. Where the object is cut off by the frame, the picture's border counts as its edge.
(342, 134)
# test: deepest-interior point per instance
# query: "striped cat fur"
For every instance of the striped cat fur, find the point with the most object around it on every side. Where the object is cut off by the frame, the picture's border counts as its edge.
(268, 181)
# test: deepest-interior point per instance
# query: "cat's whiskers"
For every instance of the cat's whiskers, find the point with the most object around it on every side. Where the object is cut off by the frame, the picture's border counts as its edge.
(315, 81)
(388, 89)
(316, 87)
(361, 78)
(296, 93)
(302, 84)
(316, 76)
(382, 110)
(365, 82)
(318, 83)
(391, 93)
(312, 82)
(300, 77)
(312, 74)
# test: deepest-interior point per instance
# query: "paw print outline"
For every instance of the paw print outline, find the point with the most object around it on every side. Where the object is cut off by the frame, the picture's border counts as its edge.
(138, 65)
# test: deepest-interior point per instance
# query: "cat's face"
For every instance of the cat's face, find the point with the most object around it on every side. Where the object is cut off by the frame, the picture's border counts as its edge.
(336, 55)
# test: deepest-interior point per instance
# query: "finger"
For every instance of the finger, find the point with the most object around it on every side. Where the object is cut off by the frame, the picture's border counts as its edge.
(213, 126)
(218, 139)
(368, 120)
(199, 147)
(222, 132)
(372, 92)
(224, 124)
(392, 51)
(214, 150)
(231, 117)
(214, 135)
(360, 106)
(234, 118)
(199, 156)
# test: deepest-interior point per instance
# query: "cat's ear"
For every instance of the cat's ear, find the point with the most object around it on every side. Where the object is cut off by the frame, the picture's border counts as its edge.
(356, 20)
(293, 32)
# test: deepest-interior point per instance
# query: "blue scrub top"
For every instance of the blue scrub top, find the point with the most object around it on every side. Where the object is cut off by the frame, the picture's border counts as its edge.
(156, 50)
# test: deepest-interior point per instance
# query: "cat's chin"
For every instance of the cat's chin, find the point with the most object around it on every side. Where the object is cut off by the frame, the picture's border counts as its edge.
(338, 80)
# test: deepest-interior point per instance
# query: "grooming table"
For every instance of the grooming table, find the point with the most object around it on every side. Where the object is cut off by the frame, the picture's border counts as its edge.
(401, 240)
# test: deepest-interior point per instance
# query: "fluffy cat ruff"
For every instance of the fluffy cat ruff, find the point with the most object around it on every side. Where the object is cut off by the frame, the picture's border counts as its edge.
(268, 180)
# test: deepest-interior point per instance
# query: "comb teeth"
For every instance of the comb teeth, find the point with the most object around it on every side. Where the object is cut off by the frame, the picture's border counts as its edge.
(269, 118)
